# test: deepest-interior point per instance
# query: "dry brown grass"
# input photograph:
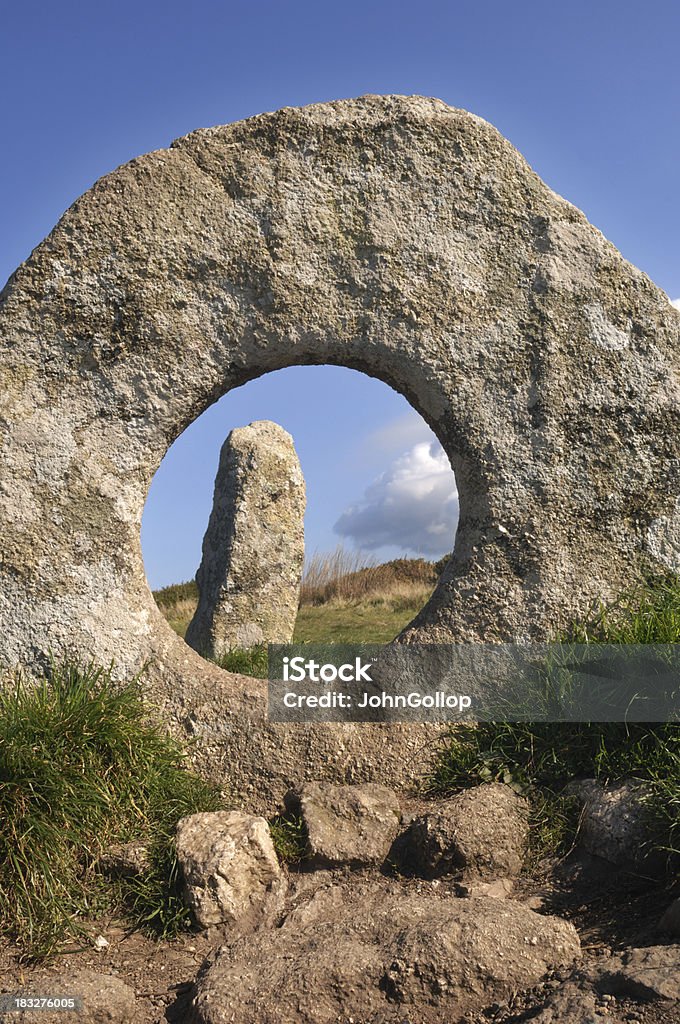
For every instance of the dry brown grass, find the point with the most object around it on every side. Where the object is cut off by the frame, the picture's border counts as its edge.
(389, 593)
(325, 571)
(180, 614)
(346, 577)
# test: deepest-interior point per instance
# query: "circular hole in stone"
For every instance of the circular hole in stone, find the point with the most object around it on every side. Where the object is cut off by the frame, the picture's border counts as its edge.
(381, 505)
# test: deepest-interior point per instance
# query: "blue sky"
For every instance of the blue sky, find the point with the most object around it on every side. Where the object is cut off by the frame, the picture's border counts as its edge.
(589, 92)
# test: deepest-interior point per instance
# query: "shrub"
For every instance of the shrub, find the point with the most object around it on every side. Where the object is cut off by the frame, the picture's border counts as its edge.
(441, 563)
(176, 593)
(323, 573)
(81, 768)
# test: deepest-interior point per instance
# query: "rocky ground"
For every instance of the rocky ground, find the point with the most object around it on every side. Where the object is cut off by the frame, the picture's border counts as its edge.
(402, 911)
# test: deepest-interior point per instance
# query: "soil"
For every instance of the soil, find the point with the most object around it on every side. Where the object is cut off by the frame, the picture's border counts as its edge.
(610, 911)
(160, 973)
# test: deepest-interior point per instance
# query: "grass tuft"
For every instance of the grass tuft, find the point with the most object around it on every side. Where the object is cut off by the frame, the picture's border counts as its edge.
(540, 758)
(289, 836)
(249, 661)
(648, 614)
(82, 769)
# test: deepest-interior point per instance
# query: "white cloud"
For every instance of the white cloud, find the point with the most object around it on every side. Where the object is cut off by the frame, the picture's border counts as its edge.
(412, 506)
(676, 303)
(397, 435)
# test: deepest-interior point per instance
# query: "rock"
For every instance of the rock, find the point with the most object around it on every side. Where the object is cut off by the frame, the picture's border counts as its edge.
(253, 549)
(584, 872)
(648, 973)
(104, 1000)
(480, 834)
(394, 235)
(573, 1002)
(231, 872)
(352, 825)
(614, 823)
(124, 860)
(498, 889)
(376, 952)
(670, 920)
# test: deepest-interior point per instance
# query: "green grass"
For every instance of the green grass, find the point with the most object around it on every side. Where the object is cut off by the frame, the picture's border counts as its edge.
(178, 624)
(342, 601)
(249, 661)
(81, 769)
(370, 621)
(540, 758)
(367, 622)
(649, 614)
(289, 837)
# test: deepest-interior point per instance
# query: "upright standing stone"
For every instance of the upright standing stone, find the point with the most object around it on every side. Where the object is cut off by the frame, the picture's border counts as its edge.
(253, 550)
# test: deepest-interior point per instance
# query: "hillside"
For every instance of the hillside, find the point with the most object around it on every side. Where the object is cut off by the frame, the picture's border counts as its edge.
(342, 598)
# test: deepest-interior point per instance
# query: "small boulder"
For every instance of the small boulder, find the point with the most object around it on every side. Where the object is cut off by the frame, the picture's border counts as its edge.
(614, 822)
(231, 872)
(573, 1002)
(497, 889)
(352, 825)
(376, 952)
(670, 921)
(480, 834)
(646, 974)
